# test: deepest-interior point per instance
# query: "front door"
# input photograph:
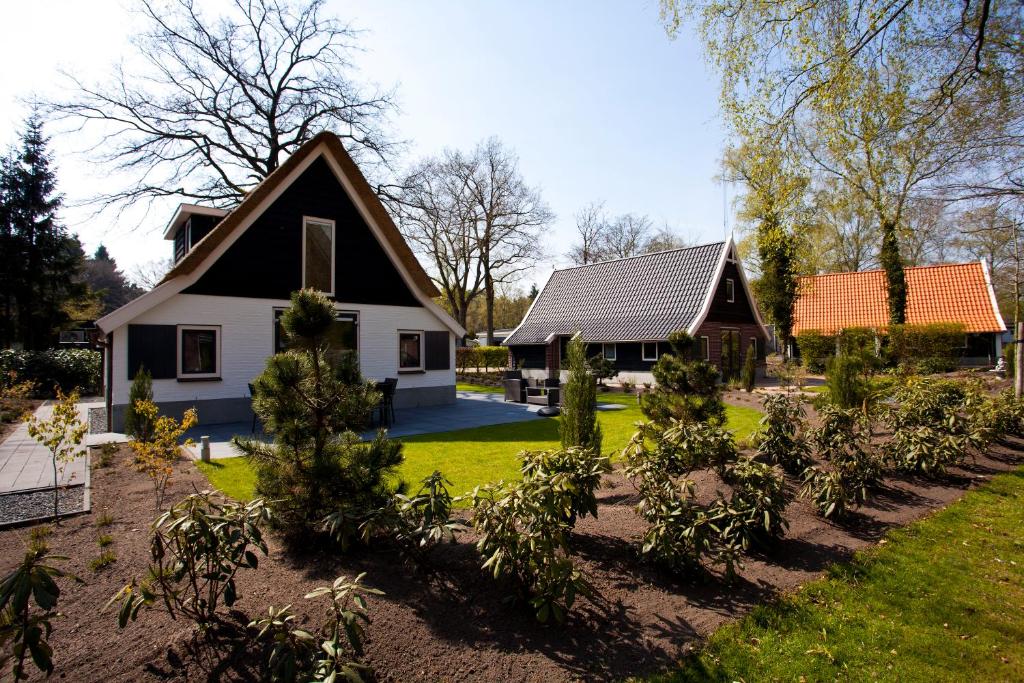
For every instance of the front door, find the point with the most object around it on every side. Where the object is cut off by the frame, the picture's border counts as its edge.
(730, 354)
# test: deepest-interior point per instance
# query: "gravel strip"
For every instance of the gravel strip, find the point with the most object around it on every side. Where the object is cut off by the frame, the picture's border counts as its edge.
(22, 505)
(97, 420)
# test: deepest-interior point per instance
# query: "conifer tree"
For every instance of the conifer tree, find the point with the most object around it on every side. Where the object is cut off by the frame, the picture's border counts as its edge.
(42, 261)
(310, 402)
(579, 426)
(687, 389)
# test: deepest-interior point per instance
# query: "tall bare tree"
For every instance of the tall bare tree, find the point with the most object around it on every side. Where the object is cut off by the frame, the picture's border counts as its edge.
(602, 237)
(591, 224)
(509, 216)
(475, 219)
(214, 103)
(434, 215)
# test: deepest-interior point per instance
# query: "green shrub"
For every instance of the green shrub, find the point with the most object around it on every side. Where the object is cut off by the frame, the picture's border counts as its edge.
(846, 381)
(293, 654)
(524, 536)
(749, 375)
(781, 439)
(815, 348)
(197, 548)
(480, 358)
(583, 468)
(928, 348)
(317, 466)
(755, 513)
(678, 530)
(139, 425)
(25, 628)
(67, 369)
(602, 368)
(579, 426)
(416, 524)
(842, 439)
(106, 558)
(687, 390)
(680, 448)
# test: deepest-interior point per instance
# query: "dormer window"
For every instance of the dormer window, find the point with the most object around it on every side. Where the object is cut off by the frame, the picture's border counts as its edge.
(318, 254)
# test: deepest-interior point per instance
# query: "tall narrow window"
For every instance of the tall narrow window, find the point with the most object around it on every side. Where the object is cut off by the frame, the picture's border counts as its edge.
(318, 255)
(705, 348)
(198, 352)
(649, 351)
(730, 290)
(610, 351)
(410, 350)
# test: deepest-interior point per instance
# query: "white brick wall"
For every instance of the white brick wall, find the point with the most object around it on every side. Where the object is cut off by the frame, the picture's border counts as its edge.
(247, 339)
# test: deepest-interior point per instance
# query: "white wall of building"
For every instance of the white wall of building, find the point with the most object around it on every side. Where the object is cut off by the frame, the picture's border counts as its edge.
(247, 340)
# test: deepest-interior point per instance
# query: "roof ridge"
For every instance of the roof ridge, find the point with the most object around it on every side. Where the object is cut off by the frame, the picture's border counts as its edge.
(635, 256)
(882, 270)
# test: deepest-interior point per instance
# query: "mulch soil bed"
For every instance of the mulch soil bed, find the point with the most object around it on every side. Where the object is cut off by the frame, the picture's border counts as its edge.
(453, 623)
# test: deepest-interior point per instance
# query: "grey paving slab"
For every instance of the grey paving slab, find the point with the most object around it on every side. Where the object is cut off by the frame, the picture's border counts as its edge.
(26, 464)
(471, 409)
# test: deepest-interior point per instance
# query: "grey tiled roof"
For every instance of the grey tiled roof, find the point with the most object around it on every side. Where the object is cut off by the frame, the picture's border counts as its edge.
(640, 298)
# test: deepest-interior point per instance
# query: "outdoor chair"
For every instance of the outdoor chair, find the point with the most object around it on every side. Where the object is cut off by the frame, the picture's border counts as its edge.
(252, 394)
(386, 407)
(515, 386)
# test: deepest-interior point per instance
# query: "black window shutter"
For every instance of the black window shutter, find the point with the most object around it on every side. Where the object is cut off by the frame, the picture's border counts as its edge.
(155, 347)
(437, 350)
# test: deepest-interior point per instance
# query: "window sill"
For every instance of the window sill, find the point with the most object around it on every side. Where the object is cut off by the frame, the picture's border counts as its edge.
(199, 379)
(412, 371)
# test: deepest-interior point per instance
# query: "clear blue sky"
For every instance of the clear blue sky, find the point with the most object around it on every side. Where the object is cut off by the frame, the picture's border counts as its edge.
(596, 100)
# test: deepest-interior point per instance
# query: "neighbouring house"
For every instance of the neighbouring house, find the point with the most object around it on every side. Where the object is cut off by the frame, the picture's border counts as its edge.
(499, 337)
(206, 331)
(946, 293)
(627, 308)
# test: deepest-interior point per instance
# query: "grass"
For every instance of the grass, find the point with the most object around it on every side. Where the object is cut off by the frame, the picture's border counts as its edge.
(479, 388)
(470, 457)
(942, 599)
(104, 519)
(104, 540)
(105, 559)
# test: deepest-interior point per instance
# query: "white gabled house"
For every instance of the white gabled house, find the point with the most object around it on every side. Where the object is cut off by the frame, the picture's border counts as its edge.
(206, 330)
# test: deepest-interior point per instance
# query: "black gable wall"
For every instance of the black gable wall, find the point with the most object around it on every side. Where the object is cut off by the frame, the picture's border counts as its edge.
(266, 260)
(722, 310)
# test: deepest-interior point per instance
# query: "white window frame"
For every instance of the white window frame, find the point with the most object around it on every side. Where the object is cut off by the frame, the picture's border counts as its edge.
(643, 352)
(615, 351)
(705, 341)
(730, 290)
(218, 358)
(398, 337)
(306, 220)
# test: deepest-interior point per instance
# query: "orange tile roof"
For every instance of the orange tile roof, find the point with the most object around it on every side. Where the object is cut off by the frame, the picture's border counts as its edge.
(959, 292)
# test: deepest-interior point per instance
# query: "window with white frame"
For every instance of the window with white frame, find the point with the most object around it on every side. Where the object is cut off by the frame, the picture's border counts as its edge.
(753, 347)
(705, 348)
(730, 290)
(649, 350)
(343, 334)
(410, 350)
(318, 254)
(198, 351)
(609, 351)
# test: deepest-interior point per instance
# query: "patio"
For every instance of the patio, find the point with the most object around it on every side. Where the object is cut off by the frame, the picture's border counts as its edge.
(471, 409)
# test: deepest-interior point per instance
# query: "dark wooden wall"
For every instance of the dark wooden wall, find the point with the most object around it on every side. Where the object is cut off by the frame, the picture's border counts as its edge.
(266, 260)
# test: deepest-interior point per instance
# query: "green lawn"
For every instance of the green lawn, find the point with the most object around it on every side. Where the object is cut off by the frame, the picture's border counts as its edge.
(942, 600)
(470, 457)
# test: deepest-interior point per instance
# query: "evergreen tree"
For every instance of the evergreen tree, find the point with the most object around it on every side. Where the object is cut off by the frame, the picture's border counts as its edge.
(42, 262)
(138, 425)
(103, 277)
(317, 467)
(687, 389)
(895, 277)
(749, 375)
(579, 425)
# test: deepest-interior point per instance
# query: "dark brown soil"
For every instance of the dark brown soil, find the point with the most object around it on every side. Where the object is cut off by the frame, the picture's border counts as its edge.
(453, 623)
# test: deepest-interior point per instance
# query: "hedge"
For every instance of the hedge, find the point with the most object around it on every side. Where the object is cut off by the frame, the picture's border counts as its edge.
(480, 357)
(815, 349)
(65, 368)
(931, 348)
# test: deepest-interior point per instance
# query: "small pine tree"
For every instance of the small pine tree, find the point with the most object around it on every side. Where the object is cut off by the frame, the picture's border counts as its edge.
(138, 425)
(749, 376)
(687, 389)
(321, 475)
(846, 381)
(579, 426)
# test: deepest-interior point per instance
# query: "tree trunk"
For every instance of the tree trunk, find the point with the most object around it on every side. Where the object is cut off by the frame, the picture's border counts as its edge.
(489, 296)
(895, 277)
